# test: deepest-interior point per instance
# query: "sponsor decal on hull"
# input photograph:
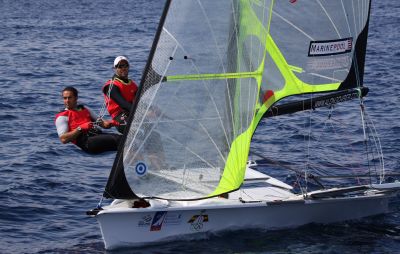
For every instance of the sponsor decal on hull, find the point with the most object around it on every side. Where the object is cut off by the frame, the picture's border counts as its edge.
(145, 221)
(197, 221)
(158, 220)
(163, 219)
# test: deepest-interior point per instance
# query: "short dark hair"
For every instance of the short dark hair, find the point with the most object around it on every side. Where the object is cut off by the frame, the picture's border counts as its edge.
(71, 89)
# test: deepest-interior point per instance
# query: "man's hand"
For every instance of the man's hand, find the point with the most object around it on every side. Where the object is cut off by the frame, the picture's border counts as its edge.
(107, 124)
(86, 126)
(115, 123)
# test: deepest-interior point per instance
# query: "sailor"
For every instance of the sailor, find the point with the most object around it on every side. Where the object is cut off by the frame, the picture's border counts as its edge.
(120, 93)
(79, 125)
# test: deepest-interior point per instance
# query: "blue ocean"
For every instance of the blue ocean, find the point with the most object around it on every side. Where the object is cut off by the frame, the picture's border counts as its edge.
(46, 187)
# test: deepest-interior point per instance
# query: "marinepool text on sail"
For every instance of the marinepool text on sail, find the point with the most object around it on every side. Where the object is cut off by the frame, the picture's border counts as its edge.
(334, 47)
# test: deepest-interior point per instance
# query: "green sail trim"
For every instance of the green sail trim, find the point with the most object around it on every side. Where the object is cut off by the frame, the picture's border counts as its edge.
(235, 166)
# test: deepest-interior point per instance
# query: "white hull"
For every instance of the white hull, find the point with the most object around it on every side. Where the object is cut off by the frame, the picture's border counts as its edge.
(135, 226)
(268, 208)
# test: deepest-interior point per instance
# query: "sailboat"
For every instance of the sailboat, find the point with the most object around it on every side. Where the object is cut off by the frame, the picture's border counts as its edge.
(216, 70)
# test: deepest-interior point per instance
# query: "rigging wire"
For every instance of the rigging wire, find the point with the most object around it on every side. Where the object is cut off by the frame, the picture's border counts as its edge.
(307, 165)
(370, 138)
(106, 102)
(365, 136)
(363, 120)
(373, 138)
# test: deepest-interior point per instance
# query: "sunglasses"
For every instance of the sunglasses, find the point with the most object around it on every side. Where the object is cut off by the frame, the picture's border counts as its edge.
(123, 66)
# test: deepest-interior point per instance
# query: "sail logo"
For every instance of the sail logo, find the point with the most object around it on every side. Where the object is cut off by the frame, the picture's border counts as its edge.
(329, 63)
(335, 100)
(197, 221)
(140, 168)
(327, 48)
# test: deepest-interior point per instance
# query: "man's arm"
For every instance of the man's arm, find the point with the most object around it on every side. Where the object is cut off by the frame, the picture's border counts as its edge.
(106, 124)
(116, 95)
(62, 130)
(69, 136)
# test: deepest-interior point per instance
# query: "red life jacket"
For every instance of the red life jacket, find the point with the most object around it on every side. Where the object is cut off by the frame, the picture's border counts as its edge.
(128, 91)
(76, 117)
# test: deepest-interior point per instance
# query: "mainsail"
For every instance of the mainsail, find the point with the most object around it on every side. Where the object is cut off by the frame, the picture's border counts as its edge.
(214, 70)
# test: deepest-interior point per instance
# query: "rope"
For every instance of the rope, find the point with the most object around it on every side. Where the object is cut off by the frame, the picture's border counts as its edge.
(100, 202)
(106, 102)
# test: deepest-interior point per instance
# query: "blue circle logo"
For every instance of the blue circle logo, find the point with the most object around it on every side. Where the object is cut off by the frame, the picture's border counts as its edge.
(140, 168)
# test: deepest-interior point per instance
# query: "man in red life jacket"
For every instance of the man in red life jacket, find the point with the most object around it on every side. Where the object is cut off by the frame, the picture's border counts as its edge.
(120, 92)
(78, 124)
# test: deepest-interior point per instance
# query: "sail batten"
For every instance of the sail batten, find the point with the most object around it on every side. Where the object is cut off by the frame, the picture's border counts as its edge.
(214, 70)
(206, 76)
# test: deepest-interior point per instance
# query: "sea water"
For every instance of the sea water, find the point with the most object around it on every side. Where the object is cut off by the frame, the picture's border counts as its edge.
(46, 187)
